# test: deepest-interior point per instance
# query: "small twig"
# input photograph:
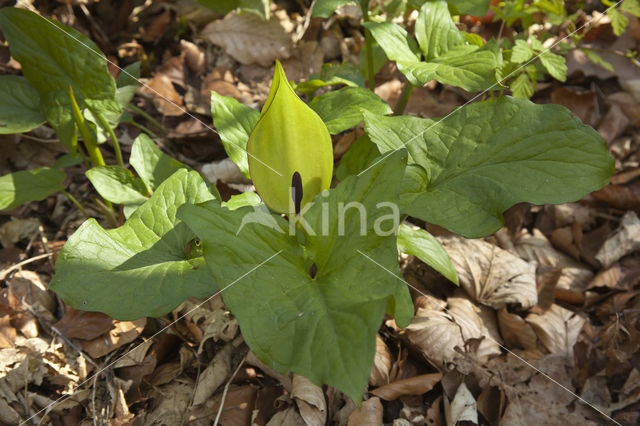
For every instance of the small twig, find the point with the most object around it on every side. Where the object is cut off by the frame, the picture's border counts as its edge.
(226, 389)
(75, 202)
(10, 269)
(305, 24)
(36, 139)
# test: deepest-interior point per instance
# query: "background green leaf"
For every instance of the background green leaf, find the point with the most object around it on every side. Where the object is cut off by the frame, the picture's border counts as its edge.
(152, 165)
(331, 74)
(435, 30)
(117, 184)
(259, 7)
(286, 316)
(465, 66)
(31, 185)
(340, 109)
(234, 122)
(397, 44)
(424, 246)
(325, 8)
(142, 268)
(20, 106)
(54, 57)
(470, 7)
(488, 156)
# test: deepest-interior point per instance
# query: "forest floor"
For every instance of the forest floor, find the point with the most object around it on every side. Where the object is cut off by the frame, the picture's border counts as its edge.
(572, 358)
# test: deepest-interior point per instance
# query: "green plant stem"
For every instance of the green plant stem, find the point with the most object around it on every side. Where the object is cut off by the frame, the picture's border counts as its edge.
(107, 208)
(147, 117)
(403, 100)
(112, 135)
(141, 127)
(364, 5)
(87, 136)
(75, 202)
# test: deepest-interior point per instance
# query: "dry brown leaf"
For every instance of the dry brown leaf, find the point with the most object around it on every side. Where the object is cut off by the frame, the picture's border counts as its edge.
(536, 248)
(7, 332)
(28, 287)
(249, 39)
(85, 325)
(214, 375)
(193, 56)
(18, 229)
(171, 404)
(285, 381)
(370, 413)
(558, 329)
(165, 96)
(476, 322)
(490, 275)
(625, 240)
(516, 331)
(288, 417)
(123, 333)
(630, 106)
(157, 27)
(463, 407)
(416, 385)
(436, 335)
(581, 103)
(310, 400)
(381, 364)
(613, 124)
(134, 356)
(8, 415)
(536, 400)
(237, 406)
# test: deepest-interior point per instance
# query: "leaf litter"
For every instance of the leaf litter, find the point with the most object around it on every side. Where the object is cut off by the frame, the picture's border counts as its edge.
(561, 293)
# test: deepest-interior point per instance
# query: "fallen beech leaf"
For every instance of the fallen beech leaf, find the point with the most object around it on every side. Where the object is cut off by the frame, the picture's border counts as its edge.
(463, 408)
(84, 325)
(288, 417)
(490, 275)
(613, 124)
(381, 364)
(165, 96)
(558, 329)
(214, 375)
(476, 322)
(516, 331)
(237, 406)
(310, 400)
(624, 240)
(370, 413)
(436, 335)
(123, 333)
(249, 39)
(416, 385)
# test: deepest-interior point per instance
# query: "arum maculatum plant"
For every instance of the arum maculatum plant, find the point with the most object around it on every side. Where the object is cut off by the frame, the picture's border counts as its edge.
(290, 151)
(310, 298)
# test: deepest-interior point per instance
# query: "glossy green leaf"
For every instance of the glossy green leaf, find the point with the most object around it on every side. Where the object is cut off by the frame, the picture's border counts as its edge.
(146, 267)
(488, 156)
(325, 8)
(522, 87)
(521, 52)
(424, 246)
(435, 30)
(341, 109)
(20, 106)
(53, 58)
(618, 21)
(397, 44)
(360, 154)
(332, 74)
(465, 66)
(30, 185)
(289, 138)
(152, 165)
(471, 7)
(555, 65)
(322, 327)
(234, 122)
(117, 184)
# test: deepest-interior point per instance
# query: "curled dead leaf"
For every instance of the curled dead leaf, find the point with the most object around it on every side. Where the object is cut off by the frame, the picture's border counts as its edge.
(517, 333)
(416, 385)
(310, 400)
(463, 407)
(370, 413)
(381, 364)
(249, 39)
(490, 275)
(558, 329)
(624, 240)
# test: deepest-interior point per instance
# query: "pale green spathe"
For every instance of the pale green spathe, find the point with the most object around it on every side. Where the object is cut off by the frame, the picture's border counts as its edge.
(288, 137)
